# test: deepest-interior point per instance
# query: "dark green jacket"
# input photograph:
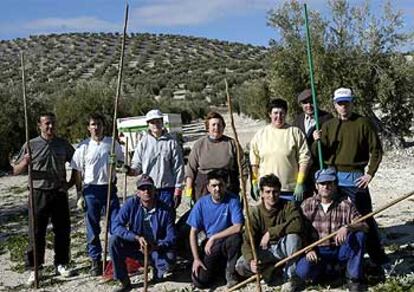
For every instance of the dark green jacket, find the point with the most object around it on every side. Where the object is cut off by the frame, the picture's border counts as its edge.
(284, 219)
(350, 145)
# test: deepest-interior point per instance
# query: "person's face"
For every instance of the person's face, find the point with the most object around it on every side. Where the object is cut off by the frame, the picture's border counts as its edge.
(278, 117)
(217, 189)
(95, 128)
(307, 107)
(344, 109)
(146, 194)
(270, 196)
(215, 128)
(47, 127)
(326, 189)
(155, 125)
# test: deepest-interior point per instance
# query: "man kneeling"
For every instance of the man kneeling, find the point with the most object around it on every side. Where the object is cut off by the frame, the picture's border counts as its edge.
(219, 215)
(327, 213)
(143, 220)
(276, 225)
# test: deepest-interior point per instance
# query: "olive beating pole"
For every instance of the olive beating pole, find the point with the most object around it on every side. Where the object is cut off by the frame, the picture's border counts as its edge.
(243, 185)
(312, 81)
(32, 220)
(126, 161)
(112, 162)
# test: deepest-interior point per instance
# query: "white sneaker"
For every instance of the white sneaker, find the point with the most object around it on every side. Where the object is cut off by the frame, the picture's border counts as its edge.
(31, 280)
(64, 271)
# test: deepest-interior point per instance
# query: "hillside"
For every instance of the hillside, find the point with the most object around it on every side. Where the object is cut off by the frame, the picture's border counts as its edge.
(159, 65)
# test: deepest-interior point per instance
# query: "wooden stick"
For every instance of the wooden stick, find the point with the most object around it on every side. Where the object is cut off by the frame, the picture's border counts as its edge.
(30, 178)
(243, 185)
(145, 268)
(312, 245)
(111, 165)
(126, 161)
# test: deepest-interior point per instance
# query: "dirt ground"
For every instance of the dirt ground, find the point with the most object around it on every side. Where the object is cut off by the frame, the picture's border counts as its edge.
(394, 178)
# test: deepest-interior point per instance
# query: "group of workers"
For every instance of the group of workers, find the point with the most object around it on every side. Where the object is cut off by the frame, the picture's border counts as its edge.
(298, 204)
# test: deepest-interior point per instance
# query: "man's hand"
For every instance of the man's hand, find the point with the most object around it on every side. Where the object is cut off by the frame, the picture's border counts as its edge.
(298, 193)
(80, 203)
(363, 181)
(177, 197)
(341, 235)
(264, 243)
(124, 169)
(142, 242)
(197, 264)
(317, 135)
(26, 160)
(311, 256)
(253, 266)
(209, 245)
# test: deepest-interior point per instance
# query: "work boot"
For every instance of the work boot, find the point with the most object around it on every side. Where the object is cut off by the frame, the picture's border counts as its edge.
(125, 286)
(64, 271)
(355, 286)
(231, 279)
(96, 269)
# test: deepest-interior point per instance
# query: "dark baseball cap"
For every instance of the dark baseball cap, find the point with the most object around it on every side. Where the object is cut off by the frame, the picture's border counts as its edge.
(144, 180)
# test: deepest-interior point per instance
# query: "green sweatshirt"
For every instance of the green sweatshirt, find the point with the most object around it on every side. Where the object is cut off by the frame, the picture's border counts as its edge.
(283, 219)
(350, 145)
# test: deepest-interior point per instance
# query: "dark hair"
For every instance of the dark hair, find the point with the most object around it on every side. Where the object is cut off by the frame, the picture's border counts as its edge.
(96, 117)
(277, 103)
(46, 114)
(213, 115)
(219, 174)
(270, 180)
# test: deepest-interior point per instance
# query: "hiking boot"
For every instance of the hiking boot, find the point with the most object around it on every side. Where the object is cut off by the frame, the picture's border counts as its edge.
(31, 280)
(96, 269)
(355, 286)
(64, 271)
(231, 279)
(125, 286)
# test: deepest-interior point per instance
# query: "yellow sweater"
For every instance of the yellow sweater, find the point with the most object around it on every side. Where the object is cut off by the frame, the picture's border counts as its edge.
(280, 151)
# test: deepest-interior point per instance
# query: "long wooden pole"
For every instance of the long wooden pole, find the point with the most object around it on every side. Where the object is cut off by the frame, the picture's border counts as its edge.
(312, 245)
(126, 161)
(145, 267)
(30, 179)
(111, 165)
(243, 186)
(312, 82)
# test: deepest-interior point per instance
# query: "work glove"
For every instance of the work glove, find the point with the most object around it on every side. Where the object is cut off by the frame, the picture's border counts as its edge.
(80, 203)
(255, 190)
(188, 196)
(298, 193)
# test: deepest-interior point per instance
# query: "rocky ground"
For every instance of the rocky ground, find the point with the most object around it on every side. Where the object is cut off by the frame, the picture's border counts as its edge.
(395, 177)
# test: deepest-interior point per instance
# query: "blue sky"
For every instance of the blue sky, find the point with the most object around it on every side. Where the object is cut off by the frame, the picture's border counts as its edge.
(233, 20)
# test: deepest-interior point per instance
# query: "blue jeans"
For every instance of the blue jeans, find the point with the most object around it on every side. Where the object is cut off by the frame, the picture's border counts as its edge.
(350, 253)
(120, 249)
(362, 201)
(95, 200)
(286, 246)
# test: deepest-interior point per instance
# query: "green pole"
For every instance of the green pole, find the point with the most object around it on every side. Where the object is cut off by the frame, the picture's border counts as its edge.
(312, 81)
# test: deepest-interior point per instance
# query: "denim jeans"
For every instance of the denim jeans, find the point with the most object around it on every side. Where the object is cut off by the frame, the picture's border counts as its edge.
(120, 249)
(350, 253)
(95, 200)
(362, 201)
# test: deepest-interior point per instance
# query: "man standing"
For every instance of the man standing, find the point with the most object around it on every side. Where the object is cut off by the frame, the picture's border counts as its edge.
(307, 123)
(143, 221)
(276, 225)
(219, 215)
(50, 198)
(159, 155)
(325, 213)
(91, 160)
(350, 143)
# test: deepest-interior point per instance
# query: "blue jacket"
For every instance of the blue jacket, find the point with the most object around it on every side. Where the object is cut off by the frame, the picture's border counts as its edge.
(131, 215)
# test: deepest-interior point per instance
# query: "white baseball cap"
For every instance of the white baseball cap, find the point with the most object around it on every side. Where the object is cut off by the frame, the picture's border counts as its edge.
(153, 114)
(343, 94)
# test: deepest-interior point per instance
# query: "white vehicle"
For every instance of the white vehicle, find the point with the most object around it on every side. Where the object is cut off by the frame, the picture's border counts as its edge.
(134, 128)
